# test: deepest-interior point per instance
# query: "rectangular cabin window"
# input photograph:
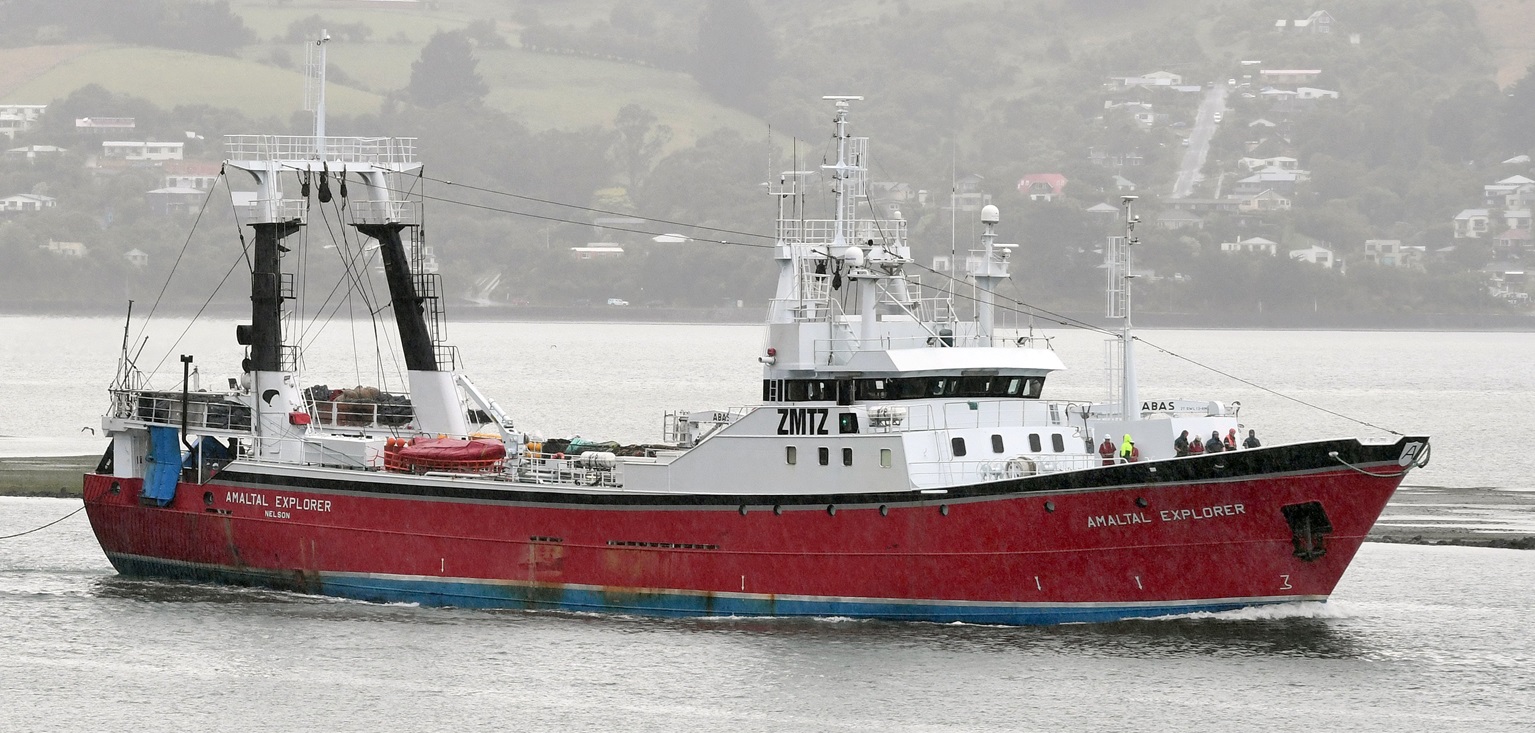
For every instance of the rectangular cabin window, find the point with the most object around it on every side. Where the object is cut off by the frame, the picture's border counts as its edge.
(1034, 444)
(958, 444)
(996, 443)
(791, 454)
(1015, 387)
(1058, 442)
(825, 456)
(847, 456)
(885, 458)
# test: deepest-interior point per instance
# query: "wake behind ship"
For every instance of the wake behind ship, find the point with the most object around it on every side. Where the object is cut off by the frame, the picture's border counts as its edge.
(904, 462)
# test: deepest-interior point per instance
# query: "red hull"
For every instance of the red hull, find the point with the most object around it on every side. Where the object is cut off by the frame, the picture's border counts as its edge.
(1218, 543)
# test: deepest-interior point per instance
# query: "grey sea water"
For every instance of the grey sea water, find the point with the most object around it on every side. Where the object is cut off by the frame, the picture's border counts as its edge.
(1415, 638)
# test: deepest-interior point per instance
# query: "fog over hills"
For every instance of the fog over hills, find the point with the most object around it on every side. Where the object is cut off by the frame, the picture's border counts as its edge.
(1291, 157)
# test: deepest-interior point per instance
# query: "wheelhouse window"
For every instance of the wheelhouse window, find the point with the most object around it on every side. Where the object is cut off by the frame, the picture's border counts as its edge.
(885, 458)
(916, 388)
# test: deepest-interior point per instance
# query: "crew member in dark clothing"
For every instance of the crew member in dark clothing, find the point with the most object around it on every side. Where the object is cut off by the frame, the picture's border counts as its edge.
(1181, 445)
(1252, 440)
(1213, 445)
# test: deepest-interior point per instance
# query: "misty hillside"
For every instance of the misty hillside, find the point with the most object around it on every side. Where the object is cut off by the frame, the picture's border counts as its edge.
(663, 110)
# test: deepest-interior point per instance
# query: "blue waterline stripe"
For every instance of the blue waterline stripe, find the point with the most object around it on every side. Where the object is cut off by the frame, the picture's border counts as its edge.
(469, 593)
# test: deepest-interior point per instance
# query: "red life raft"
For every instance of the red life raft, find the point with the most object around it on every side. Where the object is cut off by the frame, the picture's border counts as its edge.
(452, 455)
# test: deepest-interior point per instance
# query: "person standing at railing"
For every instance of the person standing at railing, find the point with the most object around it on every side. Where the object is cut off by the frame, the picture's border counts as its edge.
(1128, 452)
(1214, 444)
(1252, 439)
(1231, 439)
(1181, 444)
(1107, 451)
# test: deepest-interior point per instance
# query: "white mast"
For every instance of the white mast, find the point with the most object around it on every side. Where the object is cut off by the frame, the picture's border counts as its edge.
(314, 89)
(840, 173)
(1130, 405)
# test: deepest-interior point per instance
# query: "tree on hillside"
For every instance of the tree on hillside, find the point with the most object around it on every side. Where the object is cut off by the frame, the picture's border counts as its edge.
(446, 73)
(735, 60)
(639, 141)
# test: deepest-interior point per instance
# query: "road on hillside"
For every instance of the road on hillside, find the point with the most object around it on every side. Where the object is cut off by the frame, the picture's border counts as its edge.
(1199, 141)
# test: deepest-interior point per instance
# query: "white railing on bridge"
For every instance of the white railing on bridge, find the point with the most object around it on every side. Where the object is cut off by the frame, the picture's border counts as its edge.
(383, 152)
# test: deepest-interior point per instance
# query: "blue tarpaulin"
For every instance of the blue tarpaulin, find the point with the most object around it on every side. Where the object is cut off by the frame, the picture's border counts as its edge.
(164, 461)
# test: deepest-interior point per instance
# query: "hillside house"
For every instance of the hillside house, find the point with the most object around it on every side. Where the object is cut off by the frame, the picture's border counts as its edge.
(597, 251)
(1252, 245)
(1260, 122)
(27, 202)
(1175, 219)
(172, 200)
(1042, 186)
(1115, 160)
(1516, 218)
(1314, 93)
(1124, 185)
(65, 249)
(1226, 204)
(1513, 240)
(1319, 22)
(1392, 253)
(33, 152)
(1315, 255)
(141, 151)
(1266, 200)
(1472, 223)
(1282, 182)
(1102, 212)
(1511, 192)
(199, 174)
(16, 118)
(1278, 162)
(1154, 79)
(104, 125)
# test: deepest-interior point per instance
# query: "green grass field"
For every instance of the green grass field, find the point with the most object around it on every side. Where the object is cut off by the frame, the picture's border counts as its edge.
(169, 78)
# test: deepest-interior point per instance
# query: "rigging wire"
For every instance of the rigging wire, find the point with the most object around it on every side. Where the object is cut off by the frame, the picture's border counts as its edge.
(184, 245)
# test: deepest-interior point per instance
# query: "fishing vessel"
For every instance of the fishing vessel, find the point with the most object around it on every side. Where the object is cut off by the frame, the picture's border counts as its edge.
(904, 462)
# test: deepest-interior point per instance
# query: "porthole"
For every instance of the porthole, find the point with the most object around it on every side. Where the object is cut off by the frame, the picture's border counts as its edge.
(1050, 506)
(777, 509)
(742, 510)
(1141, 502)
(943, 509)
(116, 487)
(208, 498)
(884, 511)
(831, 509)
